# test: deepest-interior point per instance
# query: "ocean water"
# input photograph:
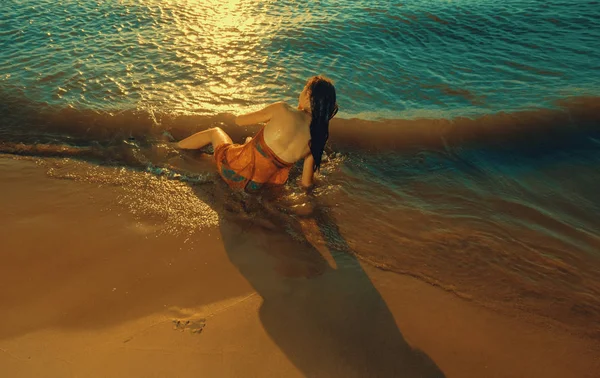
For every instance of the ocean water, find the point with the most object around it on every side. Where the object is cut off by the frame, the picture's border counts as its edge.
(468, 136)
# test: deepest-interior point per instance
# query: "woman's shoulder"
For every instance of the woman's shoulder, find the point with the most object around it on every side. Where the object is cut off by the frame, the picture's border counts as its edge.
(287, 112)
(285, 106)
(289, 117)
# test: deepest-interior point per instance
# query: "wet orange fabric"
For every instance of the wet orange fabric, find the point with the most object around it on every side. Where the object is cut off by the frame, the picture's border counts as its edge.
(251, 165)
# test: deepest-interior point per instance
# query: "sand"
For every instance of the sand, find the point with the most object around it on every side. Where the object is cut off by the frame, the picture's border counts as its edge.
(87, 289)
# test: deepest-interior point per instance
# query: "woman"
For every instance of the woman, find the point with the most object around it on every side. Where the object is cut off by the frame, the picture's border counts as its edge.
(289, 135)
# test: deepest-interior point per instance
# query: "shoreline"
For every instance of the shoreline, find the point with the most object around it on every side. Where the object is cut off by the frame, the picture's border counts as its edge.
(87, 288)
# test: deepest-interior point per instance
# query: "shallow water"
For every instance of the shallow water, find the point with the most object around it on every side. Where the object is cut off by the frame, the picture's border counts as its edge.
(472, 160)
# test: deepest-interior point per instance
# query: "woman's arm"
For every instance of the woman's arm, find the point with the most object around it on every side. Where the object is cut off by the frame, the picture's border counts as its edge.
(263, 115)
(307, 171)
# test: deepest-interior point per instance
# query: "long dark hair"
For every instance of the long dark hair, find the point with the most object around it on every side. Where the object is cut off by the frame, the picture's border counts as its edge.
(323, 107)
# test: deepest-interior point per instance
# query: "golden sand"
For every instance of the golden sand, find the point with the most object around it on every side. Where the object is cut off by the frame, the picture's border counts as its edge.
(90, 288)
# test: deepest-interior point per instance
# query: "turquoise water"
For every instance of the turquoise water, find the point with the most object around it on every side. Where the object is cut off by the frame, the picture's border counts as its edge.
(468, 137)
(393, 60)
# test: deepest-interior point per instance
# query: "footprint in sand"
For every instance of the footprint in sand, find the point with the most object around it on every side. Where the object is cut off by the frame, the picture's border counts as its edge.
(194, 326)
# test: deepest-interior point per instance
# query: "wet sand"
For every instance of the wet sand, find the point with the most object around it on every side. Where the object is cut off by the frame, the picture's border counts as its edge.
(87, 289)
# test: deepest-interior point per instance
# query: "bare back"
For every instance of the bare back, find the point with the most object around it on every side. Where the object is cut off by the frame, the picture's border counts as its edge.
(288, 132)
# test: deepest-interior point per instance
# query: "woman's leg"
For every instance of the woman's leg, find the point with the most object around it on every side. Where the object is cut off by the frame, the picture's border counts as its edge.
(216, 136)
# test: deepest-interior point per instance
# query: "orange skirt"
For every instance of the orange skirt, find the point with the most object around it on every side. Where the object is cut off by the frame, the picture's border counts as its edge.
(250, 166)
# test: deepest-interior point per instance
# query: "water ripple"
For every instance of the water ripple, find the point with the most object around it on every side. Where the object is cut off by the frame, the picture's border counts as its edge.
(387, 60)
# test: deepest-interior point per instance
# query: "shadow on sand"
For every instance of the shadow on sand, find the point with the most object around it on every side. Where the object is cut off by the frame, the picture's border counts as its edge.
(319, 306)
(330, 321)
